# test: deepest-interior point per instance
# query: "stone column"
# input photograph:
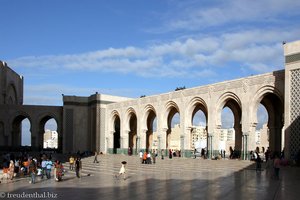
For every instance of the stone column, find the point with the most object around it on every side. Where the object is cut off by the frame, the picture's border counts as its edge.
(111, 139)
(210, 145)
(245, 146)
(138, 144)
(187, 142)
(143, 139)
(124, 141)
(163, 139)
(182, 137)
(159, 145)
(251, 143)
(107, 144)
(37, 137)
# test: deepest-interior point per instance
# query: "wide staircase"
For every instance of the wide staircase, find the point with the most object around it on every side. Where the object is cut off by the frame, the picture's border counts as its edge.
(110, 164)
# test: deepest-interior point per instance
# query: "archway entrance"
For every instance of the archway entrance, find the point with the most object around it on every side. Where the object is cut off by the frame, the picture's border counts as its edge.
(173, 132)
(230, 138)
(199, 130)
(21, 135)
(151, 139)
(132, 137)
(262, 131)
(117, 127)
(50, 135)
(49, 138)
(274, 107)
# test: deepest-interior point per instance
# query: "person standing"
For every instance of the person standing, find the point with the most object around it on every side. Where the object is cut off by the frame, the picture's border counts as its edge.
(32, 171)
(78, 167)
(170, 154)
(154, 156)
(17, 166)
(96, 157)
(276, 166)
(141, 157)
(221, 153)
(71, 161)
(59, 171)
(48, 168)
(148, 159)
(258, 163)
(145, 158)
(44, 161)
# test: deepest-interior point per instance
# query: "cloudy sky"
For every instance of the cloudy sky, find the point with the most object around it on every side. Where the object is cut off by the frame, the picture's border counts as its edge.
(140, 47)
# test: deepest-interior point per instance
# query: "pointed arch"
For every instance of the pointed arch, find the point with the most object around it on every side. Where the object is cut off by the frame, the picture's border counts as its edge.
(194, 106)
(113, 116)
(258, 97)
(171, 108)
(148, 109)
(271, 98)
(232, 101)
(115, 130)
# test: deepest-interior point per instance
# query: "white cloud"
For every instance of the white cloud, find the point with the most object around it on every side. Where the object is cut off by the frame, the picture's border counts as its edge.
(178, 58)
(197, 16)
(261, 68)
(51, 94)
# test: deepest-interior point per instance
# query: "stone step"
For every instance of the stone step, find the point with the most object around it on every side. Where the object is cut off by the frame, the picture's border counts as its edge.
(110, 164)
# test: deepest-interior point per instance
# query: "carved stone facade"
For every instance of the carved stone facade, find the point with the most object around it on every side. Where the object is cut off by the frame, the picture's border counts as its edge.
(292, 99)
(242, 96)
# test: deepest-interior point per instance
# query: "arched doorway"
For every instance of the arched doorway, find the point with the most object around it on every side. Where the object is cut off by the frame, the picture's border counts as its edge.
(151, 139)
(230, 136)
(26, 133)
(132, 135)
(227, 135)
(117, 126)
(50, 136)
(199, 129)
(262, 130)
(173, 132)
(274, 107)
(21, 134)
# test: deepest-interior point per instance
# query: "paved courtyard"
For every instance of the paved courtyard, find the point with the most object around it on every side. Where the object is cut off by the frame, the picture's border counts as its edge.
(177, 178)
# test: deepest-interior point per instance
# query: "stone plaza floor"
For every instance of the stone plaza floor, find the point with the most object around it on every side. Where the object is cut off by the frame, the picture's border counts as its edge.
(177, 178)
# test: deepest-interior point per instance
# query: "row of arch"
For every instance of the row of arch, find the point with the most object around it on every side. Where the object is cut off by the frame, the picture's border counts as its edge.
(268, 96)
(25, 125)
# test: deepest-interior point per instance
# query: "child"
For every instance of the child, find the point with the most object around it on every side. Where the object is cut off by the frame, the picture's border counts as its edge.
(122, 170)
(59, 171)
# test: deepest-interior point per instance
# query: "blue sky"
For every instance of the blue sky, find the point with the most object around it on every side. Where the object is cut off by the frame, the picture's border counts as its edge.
(140, 47)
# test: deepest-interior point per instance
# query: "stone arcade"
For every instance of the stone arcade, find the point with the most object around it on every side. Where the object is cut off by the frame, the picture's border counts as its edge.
(113, 124)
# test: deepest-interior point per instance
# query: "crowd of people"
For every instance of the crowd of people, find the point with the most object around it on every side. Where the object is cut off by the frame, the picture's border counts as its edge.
(22, 164)
(148, 157)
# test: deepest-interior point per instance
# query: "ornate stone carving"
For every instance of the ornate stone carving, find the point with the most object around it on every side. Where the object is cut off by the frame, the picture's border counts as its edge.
(295, 111)
(245, 85)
